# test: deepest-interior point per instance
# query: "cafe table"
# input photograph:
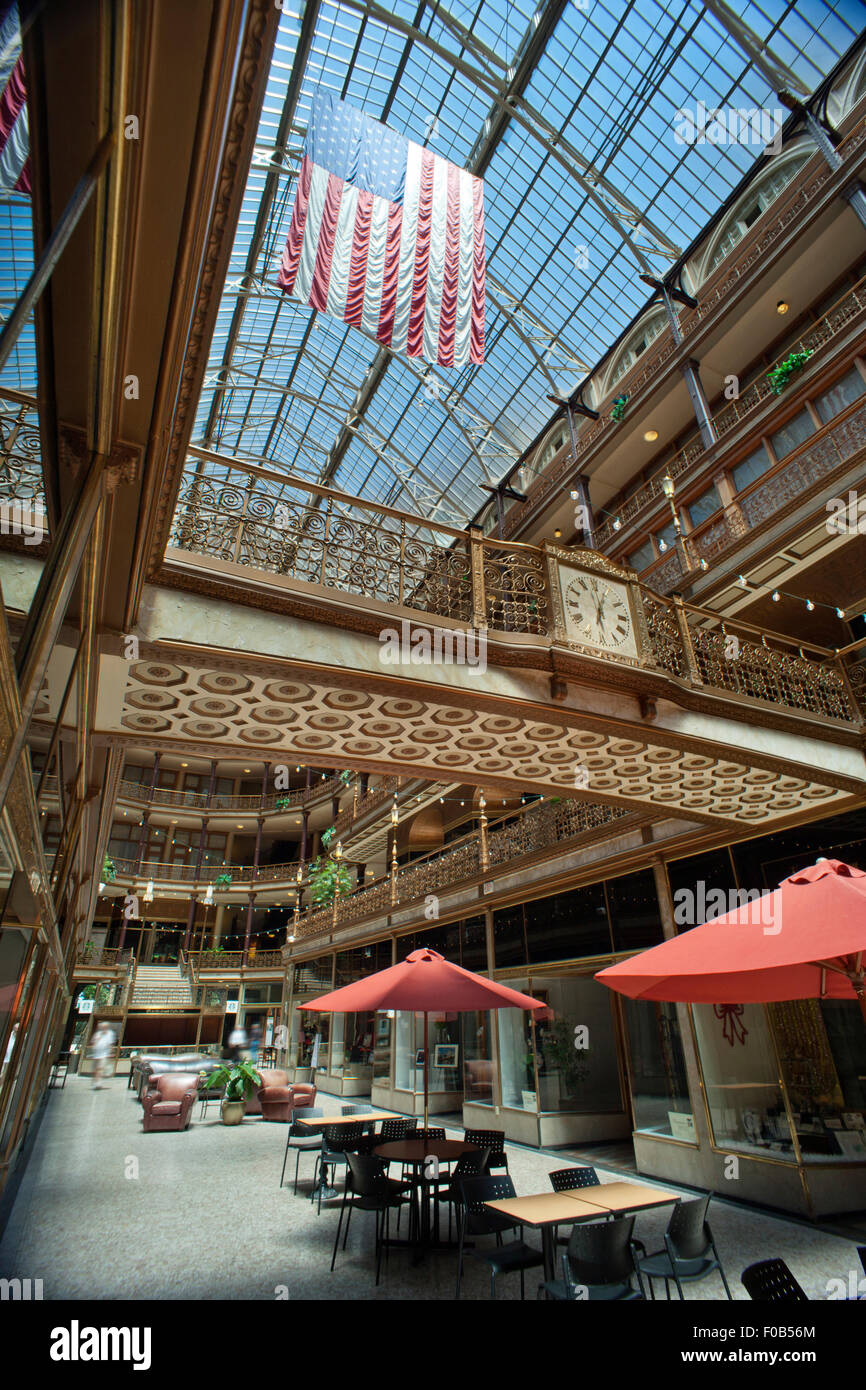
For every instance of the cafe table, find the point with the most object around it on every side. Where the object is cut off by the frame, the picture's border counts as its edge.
(321, 1122)
(622, 1196)
(545, 1211)
(417, 1154)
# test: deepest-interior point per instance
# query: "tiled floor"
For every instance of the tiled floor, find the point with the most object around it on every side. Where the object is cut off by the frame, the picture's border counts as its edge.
(107, 1212)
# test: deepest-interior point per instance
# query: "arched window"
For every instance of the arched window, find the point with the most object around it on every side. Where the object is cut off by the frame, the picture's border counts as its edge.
(653, 325)
(548, 448)
(753, 205)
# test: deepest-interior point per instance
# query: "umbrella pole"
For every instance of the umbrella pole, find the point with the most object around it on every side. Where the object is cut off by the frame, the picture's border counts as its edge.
(426, 1065)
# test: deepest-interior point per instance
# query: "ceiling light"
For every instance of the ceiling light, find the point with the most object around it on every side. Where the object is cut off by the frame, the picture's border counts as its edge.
(557, 533)
(246, 769)
(651, 436)
(184, 764)
(782, 307)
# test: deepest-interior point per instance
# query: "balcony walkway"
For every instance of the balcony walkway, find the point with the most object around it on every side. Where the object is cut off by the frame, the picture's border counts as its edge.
(90, 1231)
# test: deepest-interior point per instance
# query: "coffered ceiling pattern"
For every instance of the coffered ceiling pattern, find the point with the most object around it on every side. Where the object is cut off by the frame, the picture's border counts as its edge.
(286, 719)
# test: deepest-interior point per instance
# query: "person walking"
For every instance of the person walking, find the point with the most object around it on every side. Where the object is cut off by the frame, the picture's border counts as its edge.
(255, 1042)
(101, 1048)
(237, 1043)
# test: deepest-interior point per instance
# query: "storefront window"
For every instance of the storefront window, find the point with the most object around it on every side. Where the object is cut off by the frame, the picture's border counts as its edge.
(382, 1047)
(660, 1093)
(575, 1046)
(509, 941)
(515, 1053)
(822, 1047)
(443, 1035)
(741, 1077)
(479, 1069)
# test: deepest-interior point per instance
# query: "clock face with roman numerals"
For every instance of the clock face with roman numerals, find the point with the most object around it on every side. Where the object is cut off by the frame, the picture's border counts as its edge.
(597, 612)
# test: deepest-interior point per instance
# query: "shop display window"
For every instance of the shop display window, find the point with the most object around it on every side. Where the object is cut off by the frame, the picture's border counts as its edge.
(443, 1038)
(741, 1080)
(660, 1093)
(822, 1050)
(562, 1057)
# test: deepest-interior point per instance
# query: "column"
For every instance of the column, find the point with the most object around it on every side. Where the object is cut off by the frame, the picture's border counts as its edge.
(256, 853)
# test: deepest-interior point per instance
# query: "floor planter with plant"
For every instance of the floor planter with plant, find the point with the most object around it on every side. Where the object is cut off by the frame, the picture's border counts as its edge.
(240, 1080)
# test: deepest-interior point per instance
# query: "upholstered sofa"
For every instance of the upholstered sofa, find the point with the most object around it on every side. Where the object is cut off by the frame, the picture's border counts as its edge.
(169, 1104)
(147, 1069)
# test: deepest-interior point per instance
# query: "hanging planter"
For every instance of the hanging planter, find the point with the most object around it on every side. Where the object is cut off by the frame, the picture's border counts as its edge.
(618, 410)
(345, 778)
(223, 880)
(327, 836)
(282, 803)
(783, 371)
(109, 872)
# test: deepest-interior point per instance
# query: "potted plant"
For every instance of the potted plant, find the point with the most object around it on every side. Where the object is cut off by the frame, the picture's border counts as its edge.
(618, 410)
(327, 878)
(109, 871)
(282, 803)
(223, 880)
(240, 1080)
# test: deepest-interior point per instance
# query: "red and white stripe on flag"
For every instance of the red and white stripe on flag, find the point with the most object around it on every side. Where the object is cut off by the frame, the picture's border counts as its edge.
(411, 272)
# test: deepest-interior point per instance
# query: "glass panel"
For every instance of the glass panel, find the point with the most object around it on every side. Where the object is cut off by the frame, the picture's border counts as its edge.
(747, 1111)
(515, 1054)
(751, 468)
(822, 1047)
(509, 942)
(479, 1070)
(792, 434)
(382, 1048)
(404, 1061)
(473, 944)
(634, 911)
(841, 394)
(701, 888)
(13, 949)
(660, 1093)
(641, 558)
(568, 925)
(576, 1046)
(704, 506)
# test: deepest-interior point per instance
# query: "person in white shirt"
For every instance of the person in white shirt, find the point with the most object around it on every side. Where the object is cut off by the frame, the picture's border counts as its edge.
(101, 1048)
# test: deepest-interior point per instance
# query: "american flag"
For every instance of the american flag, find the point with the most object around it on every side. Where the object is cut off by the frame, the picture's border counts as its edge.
(387, 236)
(14, 130)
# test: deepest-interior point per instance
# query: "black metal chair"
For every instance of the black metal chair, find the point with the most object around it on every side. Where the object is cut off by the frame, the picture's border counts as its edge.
(303, 1139)
(468, 1165)
(771, 1281)
(492, 1139)
(338, 1141)
(355, 1109)
(476, 1219)
(368, 1188)
(690, 1252)
(436, 1132)
(565, 1179)
(599, 1264)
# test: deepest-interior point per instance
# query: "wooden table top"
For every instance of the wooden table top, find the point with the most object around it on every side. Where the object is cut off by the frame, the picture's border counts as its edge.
(546, 1209)
(321, 1121)
(417, 1150)
(620, 1196)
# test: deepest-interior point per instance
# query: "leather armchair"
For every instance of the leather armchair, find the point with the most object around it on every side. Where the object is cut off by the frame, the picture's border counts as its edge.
(270, 1077)
(279, 1102)
(169, 1106)
(480, 1075)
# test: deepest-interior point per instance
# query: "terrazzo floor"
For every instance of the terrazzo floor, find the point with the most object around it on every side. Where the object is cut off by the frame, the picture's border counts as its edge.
(107, 1212)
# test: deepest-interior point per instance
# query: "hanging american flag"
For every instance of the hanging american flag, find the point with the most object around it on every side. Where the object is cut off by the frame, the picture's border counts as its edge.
(387, 236)
(14, 131)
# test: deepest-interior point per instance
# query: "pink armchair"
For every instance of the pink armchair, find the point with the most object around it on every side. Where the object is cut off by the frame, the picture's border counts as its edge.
(169, 1104)
(279, 1102)
(271, 1078)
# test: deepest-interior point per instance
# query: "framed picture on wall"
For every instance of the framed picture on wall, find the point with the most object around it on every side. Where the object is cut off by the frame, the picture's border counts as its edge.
(445, 1054)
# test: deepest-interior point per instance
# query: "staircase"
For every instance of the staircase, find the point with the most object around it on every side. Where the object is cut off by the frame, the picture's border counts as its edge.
(160, 987)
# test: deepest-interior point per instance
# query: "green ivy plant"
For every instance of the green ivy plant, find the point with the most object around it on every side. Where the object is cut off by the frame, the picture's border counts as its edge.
(345, 778)
(327, 878)
(327, 837)
(282, 803)
(619, 406)
(783, 371)
(109, 871)
(223, 880)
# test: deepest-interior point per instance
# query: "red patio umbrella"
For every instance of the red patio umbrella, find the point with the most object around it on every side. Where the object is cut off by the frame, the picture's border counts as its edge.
(806, 940)
(422, 983)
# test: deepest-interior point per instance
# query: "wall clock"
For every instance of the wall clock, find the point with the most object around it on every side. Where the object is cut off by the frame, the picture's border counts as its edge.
(597, 611)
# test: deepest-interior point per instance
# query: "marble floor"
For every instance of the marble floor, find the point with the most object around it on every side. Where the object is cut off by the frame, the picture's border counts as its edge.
(107, 1212)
